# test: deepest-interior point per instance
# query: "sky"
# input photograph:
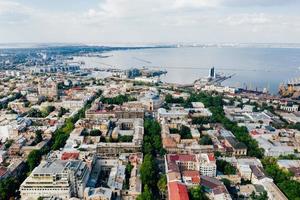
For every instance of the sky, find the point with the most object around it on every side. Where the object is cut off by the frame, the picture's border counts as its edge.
(149, 21)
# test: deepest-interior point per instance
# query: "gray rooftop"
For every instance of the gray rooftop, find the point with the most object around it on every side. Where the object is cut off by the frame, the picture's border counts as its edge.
(56, 166)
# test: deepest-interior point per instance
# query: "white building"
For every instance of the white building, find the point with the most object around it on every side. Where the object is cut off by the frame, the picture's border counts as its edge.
(58, 178)
(273, 149)
(147, 80)
(220, 89)
(207, 165)
(100, 193)
(3, 155)
(258, 177)
(245, 171)
(176, 113)
(293, 108)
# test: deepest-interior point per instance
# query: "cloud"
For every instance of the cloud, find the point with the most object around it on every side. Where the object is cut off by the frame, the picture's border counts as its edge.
(195, 3)
(13, 12)
(264, 3)
(7, 6)
(149, 20)
(246, 19)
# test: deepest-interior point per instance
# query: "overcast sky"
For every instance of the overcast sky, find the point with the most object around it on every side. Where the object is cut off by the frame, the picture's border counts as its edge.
(149, 21)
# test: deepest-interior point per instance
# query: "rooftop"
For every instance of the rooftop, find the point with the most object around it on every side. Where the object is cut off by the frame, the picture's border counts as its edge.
(177, 191)
(56, 166)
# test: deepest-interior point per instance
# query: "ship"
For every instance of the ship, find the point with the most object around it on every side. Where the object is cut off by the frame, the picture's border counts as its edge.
(290, 89)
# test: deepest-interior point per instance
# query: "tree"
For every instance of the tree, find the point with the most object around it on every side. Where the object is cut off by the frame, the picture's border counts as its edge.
(205, 140)
(283, 179)
(185, 132)
(197, 193)
(201, 120)
(169, 99)
(33, 159)
(245, 182)
(60, 140)
(125, 138)
(8, 143)
(95, 132)
(162, 184)
(229, 169)
(215, 105)
(225, 167)
(38, 136)
(50, 109)
(62, 111)
(128, 170)
(226, 182)
(149, 171)
(69, 126)
(217, 154)
(146, 194)
(35, 113)
(118, 100)
(152, 138)
(261, 196)
(8, 187)
(288, 157)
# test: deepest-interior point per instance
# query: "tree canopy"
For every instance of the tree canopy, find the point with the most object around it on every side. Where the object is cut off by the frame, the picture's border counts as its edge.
(118, 100)
(197, 193)
(34, 159)
(8, 187)
(146, 194)
(169, 99)
(149, 171)
(162, 184)
(215, 105)
(152, 138)
(225, 167)
(205, 140)
(283, 179)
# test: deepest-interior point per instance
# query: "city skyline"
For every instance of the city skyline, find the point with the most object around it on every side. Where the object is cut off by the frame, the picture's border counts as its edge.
(139, 22)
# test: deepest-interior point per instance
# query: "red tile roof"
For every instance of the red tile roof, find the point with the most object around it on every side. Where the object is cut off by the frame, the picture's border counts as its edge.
(70, 155)
(210, 182)
(220, 190)
(211, 157)
(195, 175)
(254, 132)
(3, 171)
(177, 191)
(182, 157)
(52, 122)
(169, 142)
(172, 160)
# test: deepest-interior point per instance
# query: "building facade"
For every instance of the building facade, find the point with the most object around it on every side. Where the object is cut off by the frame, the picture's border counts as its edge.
(58, 178)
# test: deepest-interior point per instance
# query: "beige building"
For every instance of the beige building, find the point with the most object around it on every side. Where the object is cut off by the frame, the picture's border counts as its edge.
(48, 88)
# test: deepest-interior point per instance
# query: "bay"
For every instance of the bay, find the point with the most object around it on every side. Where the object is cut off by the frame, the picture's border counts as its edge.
(254, 68)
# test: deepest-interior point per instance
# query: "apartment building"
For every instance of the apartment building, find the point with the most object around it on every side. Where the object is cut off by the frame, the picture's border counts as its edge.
(207, 164)
(48, 88)
(58, 178)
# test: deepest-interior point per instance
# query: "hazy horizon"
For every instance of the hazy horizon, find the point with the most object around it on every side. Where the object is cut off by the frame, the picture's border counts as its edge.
(146, 45)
